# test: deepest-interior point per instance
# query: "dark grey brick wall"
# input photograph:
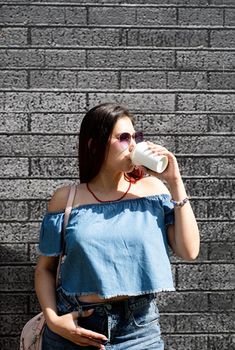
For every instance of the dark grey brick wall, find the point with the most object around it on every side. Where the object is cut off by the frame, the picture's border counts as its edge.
(172, 62)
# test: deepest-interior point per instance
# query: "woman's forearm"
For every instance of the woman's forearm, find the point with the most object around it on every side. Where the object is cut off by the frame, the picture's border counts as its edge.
(186, 240)
(65, 325)
(45, 286)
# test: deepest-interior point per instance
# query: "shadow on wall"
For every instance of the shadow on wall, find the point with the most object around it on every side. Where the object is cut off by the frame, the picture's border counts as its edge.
(18, 301)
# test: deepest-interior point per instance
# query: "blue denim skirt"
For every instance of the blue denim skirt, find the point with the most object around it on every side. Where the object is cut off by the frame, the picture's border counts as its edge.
(131, 324)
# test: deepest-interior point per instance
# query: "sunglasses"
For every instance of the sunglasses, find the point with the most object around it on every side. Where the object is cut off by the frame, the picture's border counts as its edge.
(125, 138)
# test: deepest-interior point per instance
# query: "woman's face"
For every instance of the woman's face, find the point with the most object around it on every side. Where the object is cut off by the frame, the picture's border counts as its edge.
(120, 146)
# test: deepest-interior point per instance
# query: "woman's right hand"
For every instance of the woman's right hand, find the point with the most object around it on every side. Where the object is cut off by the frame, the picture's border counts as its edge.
(67, 327)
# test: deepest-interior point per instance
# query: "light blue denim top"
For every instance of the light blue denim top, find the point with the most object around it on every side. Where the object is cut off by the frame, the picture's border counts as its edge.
(112, 248)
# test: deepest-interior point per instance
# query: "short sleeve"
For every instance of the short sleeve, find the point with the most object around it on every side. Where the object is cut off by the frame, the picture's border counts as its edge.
(50, 238)
(168, 208)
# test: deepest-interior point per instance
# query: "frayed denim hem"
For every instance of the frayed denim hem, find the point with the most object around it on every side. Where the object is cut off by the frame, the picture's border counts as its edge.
(120, 294)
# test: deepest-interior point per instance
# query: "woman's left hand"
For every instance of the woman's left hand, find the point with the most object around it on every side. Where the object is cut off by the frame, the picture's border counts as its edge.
(172, 173)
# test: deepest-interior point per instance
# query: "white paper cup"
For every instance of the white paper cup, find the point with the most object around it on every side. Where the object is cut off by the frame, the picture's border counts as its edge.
(142, 155)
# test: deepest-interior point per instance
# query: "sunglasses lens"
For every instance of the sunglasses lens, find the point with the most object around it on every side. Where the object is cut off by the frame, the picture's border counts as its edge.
(125, 137)
(139, 137)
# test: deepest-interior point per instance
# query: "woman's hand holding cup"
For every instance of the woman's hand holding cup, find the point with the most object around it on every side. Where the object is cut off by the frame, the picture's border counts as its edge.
(157, 161)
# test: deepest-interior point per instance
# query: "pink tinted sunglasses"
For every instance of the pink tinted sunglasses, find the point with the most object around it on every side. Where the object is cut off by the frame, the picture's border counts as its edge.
(125, 138)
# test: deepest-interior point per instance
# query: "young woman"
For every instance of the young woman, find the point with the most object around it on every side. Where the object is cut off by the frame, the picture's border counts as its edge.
(116, 242)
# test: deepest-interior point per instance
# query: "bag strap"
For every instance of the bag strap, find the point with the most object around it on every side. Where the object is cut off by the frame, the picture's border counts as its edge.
(68, 208)
(67, 212)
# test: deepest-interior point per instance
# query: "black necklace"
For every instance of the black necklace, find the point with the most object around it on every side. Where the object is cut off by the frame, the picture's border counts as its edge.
(115, 200)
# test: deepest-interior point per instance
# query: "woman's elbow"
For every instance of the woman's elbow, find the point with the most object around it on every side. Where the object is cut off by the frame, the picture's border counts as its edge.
(190, 255)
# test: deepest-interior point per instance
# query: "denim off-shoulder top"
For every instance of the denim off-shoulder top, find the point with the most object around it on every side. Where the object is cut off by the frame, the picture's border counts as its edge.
(112, 248)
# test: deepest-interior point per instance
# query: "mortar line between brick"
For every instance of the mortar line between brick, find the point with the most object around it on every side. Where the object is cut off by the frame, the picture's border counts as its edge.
(185, 177)
(87, 15)
(136, 14)
(102, 5)
(175, 334)
(164, 134)
(86, 60)
(130, 91)
(28, 252)
(208, 74)
(167, 79)
(224, 18)
(176, 101)
(117, 26)
(175, 264)
(121, 36)
(28, 263)
(87, 101)
(140, 112)
(217, 156)
(209, 37)
(4, 102)
(120, 48)
(30, 168)
(29, 123)
(119, 79)
(28, 78)
(29, 38)
(155, 112)
(133, 69)
(176, 276)
(104, 69)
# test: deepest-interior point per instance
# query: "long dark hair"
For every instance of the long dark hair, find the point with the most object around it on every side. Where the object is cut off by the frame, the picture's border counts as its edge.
(95, 131)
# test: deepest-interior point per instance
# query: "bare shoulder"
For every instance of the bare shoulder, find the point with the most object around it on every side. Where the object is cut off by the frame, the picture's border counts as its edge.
(59, 199)
(153, 186)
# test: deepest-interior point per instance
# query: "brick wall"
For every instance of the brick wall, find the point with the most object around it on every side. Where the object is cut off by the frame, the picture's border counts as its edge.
(172, 62)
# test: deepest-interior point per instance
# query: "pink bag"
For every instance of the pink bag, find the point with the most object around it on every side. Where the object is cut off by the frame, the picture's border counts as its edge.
(31, 335)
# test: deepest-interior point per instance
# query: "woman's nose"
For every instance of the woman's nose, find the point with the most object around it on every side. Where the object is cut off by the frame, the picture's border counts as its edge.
(132, 144)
